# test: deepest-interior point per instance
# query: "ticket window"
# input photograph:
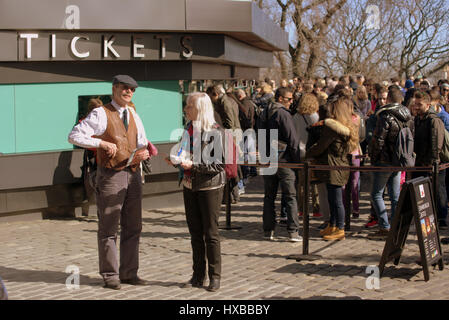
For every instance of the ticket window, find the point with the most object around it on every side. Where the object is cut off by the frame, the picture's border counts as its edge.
(84, 102)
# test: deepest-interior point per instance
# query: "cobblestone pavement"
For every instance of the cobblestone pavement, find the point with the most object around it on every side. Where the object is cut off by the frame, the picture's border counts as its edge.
(35, 257)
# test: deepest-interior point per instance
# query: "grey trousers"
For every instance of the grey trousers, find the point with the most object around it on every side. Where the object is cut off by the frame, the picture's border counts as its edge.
(119, 201)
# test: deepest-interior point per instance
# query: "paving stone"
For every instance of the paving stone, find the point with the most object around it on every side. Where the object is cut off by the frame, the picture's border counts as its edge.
(35, 256)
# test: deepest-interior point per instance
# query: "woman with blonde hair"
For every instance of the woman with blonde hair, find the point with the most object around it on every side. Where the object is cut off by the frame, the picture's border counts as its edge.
(362, 103)
(306, 116)
(266, 96)
(203, 180)
(339, 136)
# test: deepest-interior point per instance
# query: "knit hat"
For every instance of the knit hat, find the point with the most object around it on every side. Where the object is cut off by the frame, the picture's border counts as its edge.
(409, 84)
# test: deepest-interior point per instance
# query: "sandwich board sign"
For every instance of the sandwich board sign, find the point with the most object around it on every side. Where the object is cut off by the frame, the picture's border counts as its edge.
(416, 204)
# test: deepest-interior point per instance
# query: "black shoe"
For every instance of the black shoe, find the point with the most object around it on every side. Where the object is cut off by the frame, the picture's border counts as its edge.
(268, 235)
(112, 284)
(195, 283)
(214, 285)
(135, 282)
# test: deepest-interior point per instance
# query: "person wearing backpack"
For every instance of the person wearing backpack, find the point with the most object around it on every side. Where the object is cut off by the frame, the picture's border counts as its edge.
(429, 139)
(382, 151)
(276, 116)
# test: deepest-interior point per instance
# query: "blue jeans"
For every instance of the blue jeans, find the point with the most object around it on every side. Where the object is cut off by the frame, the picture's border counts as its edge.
(337, 209)
(380, 180)
(285, 178)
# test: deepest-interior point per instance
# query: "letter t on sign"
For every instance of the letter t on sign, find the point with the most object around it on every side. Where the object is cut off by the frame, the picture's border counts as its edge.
(28, 36)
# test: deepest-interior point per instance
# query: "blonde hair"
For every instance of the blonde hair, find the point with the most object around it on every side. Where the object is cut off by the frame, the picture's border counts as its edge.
(94, 103)
(266, 88)
(341, 110)
(361, 93)
(308, 104)
(203, 105)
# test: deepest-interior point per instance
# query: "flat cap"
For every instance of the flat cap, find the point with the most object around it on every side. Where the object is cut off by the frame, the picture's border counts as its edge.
(125, 79)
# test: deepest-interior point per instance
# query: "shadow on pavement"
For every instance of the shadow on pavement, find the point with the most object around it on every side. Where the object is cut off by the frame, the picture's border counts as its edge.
(18, 275)
(335, 270)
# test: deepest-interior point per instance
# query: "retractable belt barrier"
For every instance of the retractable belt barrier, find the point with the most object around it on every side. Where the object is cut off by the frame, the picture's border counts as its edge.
(308, 168)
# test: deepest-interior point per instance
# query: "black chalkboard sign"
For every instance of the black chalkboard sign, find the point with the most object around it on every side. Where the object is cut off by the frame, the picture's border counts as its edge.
(416, 202)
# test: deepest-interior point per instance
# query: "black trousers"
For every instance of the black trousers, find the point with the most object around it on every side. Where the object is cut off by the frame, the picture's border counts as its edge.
(202, 213)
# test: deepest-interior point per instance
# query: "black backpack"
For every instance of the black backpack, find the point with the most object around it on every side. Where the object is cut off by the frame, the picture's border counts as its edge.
(403, 155)
(245, 122)
(362, 125)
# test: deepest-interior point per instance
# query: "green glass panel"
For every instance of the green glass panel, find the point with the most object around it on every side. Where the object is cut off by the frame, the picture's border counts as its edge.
(7, 122)
(159, 104)
(45, 113)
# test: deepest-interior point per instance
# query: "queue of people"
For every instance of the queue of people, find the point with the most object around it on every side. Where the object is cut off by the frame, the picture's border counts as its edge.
(346, 121)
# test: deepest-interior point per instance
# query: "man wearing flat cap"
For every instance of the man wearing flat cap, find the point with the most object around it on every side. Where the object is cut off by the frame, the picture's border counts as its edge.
(116, 131)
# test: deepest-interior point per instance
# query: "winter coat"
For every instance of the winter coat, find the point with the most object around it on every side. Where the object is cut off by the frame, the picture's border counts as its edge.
(331, 149)
(228, 111)
(264, 100)
(302, 122)
(429, 136)
(204, 175)
(444, 116)
(277, 117)
(382, 145)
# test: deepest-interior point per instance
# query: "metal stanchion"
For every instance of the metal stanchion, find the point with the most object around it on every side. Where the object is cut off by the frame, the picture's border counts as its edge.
(348, 198)
(227, 195)
(305, 225)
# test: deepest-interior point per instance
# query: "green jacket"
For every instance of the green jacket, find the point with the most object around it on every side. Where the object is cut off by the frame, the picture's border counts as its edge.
(228, 111)
(332, 149)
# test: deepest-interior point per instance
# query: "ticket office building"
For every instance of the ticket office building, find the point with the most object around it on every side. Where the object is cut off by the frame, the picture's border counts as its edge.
(55, 56)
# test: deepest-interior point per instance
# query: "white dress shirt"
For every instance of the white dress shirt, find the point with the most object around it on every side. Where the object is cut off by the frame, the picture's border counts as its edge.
(95, 124)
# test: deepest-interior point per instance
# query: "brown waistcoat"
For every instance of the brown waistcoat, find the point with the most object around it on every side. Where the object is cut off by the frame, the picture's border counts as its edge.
(126, 141)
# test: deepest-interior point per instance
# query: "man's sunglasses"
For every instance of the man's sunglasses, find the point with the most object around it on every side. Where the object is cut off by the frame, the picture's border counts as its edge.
(288, 99)
(126, 87)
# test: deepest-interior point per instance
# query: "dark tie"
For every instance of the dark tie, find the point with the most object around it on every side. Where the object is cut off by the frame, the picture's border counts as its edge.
(125, 119)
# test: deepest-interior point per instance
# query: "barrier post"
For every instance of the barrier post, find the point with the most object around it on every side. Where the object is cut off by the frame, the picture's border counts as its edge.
(435, 173)
(305, 217)
(305, 220)
(227, 196)
(348, 206)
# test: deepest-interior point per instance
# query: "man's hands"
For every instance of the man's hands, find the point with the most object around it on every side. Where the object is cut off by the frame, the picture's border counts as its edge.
(110, 148)
(111, 151)
(140, 155)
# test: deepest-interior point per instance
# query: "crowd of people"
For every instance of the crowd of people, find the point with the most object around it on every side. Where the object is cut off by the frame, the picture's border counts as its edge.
(332, 121)
(339, 122)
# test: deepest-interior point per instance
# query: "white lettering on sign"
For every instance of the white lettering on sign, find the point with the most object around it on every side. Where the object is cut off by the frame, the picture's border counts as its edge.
(187, 50)
(73, 20)
(28, 37)
(53, 46)
(421, 191)
(162, 39)
(136, 47)
(107, 46)
(75, 52)
(423, 207)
